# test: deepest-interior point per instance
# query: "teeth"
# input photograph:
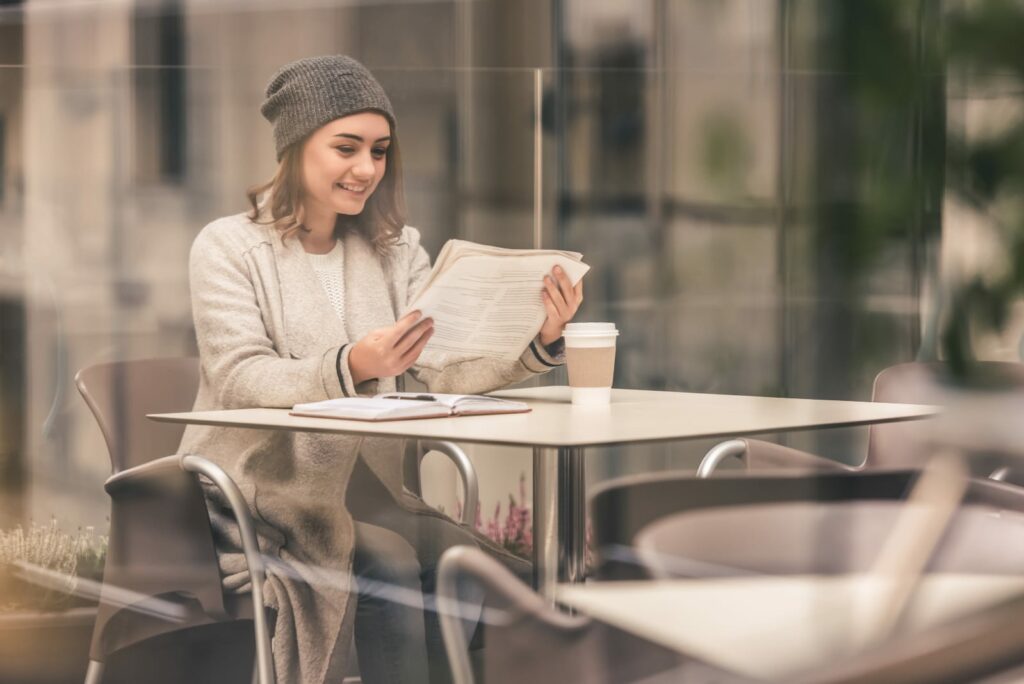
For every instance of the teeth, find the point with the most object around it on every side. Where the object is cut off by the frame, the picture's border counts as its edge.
(353, 188)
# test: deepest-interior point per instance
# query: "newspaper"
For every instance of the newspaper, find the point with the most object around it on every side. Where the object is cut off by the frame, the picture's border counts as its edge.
(486, 301)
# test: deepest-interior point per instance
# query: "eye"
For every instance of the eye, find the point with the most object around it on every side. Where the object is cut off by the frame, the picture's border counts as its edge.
(380, 152)
(345, 149)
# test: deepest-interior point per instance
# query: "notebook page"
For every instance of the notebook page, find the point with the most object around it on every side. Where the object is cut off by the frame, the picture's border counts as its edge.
(453, 400)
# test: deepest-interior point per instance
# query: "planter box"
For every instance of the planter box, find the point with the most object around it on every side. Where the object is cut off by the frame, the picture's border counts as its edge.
(45, 648)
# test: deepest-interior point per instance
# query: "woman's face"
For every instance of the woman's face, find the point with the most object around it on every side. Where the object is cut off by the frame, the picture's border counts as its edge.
(343, 162)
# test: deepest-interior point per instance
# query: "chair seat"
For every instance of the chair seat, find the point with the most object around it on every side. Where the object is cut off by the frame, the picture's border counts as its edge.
(128, 627)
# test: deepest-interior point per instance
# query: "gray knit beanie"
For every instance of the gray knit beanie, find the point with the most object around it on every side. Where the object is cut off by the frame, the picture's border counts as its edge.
(306, 94)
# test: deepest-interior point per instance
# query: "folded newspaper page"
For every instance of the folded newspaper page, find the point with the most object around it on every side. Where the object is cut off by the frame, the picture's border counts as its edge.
(486, 301)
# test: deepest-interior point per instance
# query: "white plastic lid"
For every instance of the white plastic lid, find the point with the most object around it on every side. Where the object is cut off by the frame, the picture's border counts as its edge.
(587, 329)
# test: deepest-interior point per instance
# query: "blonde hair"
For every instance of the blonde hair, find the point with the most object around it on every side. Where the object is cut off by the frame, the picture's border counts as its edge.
(381, 221)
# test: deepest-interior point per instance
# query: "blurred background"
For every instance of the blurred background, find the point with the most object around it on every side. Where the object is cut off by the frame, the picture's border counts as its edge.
(776, 196)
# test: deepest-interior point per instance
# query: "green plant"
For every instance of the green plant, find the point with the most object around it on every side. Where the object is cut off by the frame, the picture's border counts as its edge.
(986, 171)
(72, 555)
(918, 111)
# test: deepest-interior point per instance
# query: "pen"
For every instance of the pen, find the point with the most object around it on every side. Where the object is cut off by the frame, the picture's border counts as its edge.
(417, 397)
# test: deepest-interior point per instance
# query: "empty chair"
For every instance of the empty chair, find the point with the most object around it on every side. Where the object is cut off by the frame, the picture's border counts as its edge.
(890, 445)
(902, 444)
(787, 523)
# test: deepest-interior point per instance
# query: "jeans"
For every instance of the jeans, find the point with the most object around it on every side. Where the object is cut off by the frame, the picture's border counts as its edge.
(398, 641)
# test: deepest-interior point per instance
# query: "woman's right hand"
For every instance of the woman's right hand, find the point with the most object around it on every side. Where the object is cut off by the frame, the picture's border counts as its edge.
(387, 352)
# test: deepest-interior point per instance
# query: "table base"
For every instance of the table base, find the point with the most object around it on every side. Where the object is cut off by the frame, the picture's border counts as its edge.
(559, 518)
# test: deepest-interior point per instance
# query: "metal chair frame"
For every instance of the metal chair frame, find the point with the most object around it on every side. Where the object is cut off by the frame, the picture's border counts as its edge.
(127, 479)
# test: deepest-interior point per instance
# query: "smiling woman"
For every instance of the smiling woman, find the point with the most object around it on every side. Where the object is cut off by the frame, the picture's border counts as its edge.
(298, 301)
(342, 164)
(312, 175)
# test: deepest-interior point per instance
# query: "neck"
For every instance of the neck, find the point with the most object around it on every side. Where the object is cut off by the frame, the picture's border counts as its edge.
(319, 234)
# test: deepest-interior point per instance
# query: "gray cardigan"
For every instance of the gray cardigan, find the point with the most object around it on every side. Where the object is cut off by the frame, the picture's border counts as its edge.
(269, 337)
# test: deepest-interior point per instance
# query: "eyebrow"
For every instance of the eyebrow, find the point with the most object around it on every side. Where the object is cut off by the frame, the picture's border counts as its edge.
(359, 138)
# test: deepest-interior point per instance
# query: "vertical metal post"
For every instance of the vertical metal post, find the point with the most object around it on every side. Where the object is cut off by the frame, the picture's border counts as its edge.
(783, 191)
(464, 164)
(572, 516)
(545, 522)
(538, 158)
(559, 518)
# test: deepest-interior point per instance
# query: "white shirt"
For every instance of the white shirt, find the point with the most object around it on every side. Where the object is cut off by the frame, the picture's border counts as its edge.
(330, 271)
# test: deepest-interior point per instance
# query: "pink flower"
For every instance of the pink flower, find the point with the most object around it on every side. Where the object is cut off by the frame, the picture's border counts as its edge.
(514, 531)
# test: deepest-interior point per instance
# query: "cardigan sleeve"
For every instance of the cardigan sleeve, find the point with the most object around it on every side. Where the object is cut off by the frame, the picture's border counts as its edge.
(443, 373)
(237, 355)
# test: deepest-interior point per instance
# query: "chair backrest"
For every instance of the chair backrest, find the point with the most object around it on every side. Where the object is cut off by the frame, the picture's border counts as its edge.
(161, 544)
(905, 444)
(786, 523)
(809, 538)
(621, 508)
(121, 393)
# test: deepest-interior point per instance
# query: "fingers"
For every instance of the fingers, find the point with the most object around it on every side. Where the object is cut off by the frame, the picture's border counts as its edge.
(410, 356)
(560, 291)
(550, 307)
(564, 284)
(413, 335)
(390, 351)
(404, 324)
(555, 296)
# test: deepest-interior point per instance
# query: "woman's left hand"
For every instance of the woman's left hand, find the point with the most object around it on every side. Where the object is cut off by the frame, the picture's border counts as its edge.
(562, 301)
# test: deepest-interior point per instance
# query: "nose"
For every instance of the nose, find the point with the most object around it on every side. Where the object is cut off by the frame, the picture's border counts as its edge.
(364, 168)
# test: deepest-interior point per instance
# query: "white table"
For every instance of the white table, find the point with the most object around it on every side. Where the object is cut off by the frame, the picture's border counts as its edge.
(558, 433)
(773, 628)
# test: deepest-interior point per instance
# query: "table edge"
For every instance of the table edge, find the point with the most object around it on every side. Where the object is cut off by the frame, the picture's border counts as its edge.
(576, 444)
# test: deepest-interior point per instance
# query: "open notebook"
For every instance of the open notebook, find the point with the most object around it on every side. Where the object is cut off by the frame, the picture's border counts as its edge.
(408, 406)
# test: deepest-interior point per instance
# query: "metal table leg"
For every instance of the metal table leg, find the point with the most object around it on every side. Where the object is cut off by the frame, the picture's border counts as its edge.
(572, 516)
(559, 518)
(545, 522)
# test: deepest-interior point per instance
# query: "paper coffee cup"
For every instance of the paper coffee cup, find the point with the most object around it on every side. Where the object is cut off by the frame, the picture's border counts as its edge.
(590, 357)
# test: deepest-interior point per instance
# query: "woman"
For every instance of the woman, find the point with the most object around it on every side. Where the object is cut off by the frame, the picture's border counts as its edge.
(299, 300)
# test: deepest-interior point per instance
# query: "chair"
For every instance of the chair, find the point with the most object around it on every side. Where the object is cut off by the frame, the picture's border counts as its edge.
(528, 641)
(890, 445)
(161, 574)
(736, 524)
(787, 523)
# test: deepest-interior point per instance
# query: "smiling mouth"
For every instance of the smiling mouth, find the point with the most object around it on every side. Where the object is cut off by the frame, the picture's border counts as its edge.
(352, 188)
